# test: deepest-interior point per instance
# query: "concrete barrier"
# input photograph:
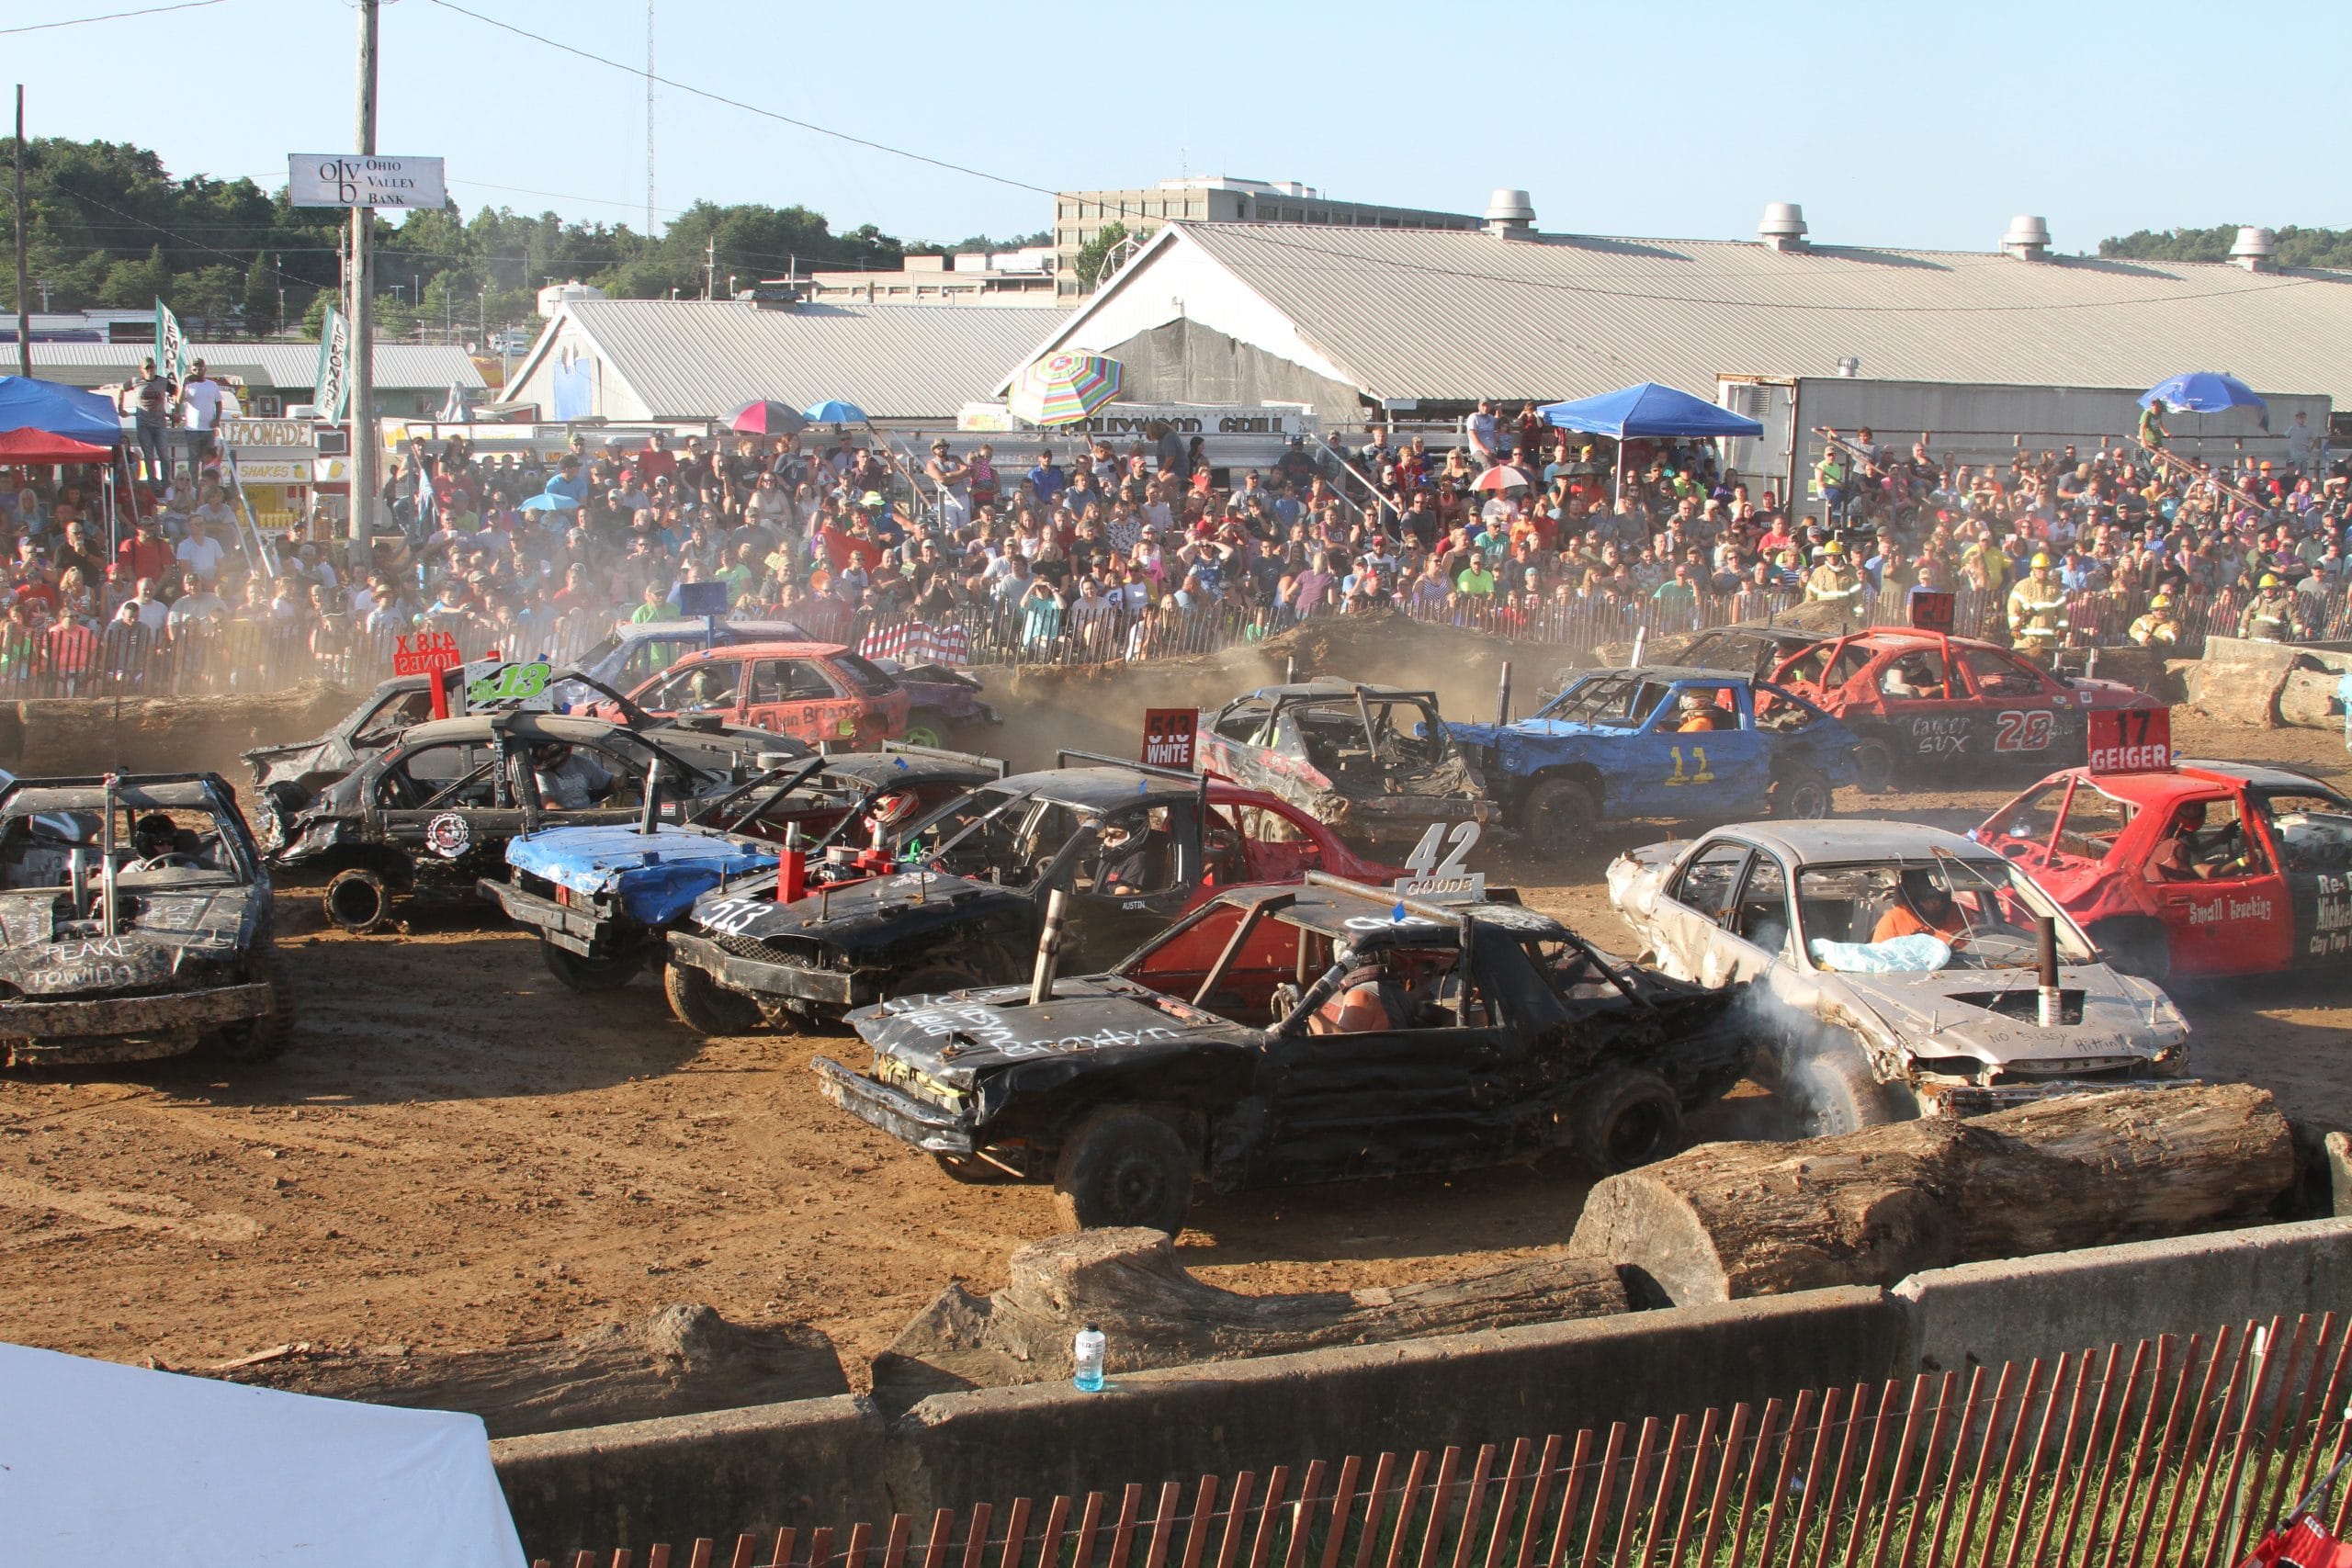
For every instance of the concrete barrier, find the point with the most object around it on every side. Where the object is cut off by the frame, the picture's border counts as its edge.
(2020, 1308)
(835, 1460)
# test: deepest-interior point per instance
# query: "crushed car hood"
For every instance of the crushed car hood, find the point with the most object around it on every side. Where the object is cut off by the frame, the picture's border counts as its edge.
(1945, 1010)
(953, 1040)
(657, 875)
(48, 953)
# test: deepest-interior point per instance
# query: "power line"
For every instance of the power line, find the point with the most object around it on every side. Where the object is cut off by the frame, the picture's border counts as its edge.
(110, 17)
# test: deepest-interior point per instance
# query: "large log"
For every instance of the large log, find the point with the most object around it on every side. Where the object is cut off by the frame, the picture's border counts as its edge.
(1155, 1313)
(681, 1361)
(1726, 1221)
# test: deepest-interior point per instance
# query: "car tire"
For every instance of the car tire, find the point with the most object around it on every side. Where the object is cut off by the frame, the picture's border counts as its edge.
(1874, 764)
(1626, 1118)
(1833, 1090)
(1558, 817)
(2134, 947)
(357, 900)
(587, 974)
(705, 1006)
(926, 729)
(931, 982)
(1803, 795)
(261, 1039)
(1124, 1168)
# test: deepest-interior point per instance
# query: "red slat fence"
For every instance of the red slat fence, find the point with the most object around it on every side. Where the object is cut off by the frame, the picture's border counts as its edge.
(2174, 1450)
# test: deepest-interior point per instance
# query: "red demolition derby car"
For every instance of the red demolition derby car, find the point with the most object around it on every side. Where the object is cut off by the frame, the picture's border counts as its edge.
(2188, 869)
(1920, 701)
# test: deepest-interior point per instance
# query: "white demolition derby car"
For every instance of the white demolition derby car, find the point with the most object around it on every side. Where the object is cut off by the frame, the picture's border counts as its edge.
(1894, 970)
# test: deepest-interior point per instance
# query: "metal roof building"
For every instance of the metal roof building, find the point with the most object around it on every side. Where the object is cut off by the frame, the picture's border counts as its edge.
(639, 359)
(410, 377)
(1351, 318)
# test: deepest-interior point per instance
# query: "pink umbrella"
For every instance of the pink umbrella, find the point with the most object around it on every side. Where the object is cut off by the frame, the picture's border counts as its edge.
(1501, 478)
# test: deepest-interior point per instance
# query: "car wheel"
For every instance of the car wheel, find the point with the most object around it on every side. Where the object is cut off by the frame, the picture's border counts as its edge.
(1625, 1119)
(971, 1170)
(261, 1039)
(2134, 947)
(1832, 1090)
(925, 730)
(357, 900)
(934, 981)
(590, 974)
(1874, 764)
(705, 1006)
(1803, 795)
(1558, 817)
(1124, 1168)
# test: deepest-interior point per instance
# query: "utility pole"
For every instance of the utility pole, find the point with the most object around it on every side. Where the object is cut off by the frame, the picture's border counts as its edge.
(710, 265)
(363, 325)
(24, 290)
(649, 119)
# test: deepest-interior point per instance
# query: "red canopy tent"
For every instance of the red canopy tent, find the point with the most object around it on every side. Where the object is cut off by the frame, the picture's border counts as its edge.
(31, 446)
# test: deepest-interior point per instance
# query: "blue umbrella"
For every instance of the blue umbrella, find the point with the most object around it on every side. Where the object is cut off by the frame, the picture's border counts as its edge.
(2205, 392)
(543, 501)
(832, 411)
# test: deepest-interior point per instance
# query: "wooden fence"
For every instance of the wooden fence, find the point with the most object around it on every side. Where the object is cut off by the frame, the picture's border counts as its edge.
(2169, 1452)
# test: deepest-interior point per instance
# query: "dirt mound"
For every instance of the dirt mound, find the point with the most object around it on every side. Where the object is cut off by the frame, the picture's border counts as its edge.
(54, 737)
(1098, 707)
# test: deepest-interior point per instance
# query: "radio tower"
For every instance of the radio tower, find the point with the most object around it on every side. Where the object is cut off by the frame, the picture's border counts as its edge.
(649, 119)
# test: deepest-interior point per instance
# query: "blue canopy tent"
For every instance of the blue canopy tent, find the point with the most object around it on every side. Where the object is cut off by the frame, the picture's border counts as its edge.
(1645, 408)
(27, 403)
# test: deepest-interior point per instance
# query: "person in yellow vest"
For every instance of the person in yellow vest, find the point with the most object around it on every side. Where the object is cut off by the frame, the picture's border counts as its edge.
(2159, 627)
(2038, 611)
(1835, 582)
(1990, 563)
(2270, 615)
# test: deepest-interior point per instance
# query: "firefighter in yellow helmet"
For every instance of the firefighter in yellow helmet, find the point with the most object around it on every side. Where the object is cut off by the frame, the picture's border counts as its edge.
(2159, 629)
(1835, 582)
(2038, 611)
(2271, 616)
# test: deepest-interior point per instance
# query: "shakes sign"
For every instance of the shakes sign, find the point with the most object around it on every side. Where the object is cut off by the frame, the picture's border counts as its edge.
(348, 179)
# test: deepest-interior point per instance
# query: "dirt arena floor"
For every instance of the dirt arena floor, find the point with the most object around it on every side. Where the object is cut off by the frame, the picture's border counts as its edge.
(456, 1152)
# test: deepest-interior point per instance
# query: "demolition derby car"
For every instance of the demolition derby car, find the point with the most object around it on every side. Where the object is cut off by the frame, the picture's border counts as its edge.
(964, 901)
(432, 814)
(1896, 969)
(1375, 763)
(1668, 742)
(2193, 872)
(1917, 700)
(601, 898)
(134, 923)
(815, 691)
(1281, 1035)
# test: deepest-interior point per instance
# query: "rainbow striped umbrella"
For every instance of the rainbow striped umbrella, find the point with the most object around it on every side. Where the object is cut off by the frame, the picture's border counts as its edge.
(1063, 389)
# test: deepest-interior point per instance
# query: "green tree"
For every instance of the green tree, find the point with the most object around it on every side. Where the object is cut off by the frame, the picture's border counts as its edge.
(131, 285)
(260, 299)
(2296, 246)
(1092, 260)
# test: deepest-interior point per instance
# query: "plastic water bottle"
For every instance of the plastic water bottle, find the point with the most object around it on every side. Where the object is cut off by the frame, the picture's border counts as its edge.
(1086, 1358)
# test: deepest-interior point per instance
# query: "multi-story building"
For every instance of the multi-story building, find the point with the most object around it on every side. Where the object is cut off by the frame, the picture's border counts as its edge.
(1079, 215)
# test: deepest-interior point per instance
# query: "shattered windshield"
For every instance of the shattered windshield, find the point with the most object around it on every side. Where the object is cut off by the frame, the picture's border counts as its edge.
(1941, 912)
(1619, 701)
(178, 844)
(1008, 837)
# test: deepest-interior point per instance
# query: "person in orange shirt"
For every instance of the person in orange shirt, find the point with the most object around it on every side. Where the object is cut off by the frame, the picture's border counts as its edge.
(1700, 712)
(1926, 909)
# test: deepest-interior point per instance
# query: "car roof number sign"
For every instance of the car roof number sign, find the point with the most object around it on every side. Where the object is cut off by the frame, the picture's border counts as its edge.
(523, 686)
(1434, 869)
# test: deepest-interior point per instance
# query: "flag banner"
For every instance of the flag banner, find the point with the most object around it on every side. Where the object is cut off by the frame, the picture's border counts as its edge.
(171, 343)
(332, 384)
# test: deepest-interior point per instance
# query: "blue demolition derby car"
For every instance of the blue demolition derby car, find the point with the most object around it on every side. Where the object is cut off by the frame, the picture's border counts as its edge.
(1672, 742)
(602, 896)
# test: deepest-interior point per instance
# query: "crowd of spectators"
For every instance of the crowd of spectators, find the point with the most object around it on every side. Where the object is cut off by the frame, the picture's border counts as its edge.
(1130, 550)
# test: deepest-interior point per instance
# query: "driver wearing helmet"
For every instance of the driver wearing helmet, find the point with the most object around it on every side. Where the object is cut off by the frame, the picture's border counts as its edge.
(1924, 907)
(1133, 862)
(1702, 711)
(155, 835)
(567, 780)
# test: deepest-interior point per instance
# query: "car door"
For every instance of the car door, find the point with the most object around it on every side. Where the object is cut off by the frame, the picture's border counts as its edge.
(797, 697)
(707, 685)
(1696, 898)
(1426, 1092)
(1925, 705)
(1703, 773)
(1124, 892)
(2023, 717)
(2309, 829)
(2221, 896)
(445, 802)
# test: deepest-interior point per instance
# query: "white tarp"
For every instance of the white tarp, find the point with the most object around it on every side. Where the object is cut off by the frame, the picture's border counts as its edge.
(107, 1464)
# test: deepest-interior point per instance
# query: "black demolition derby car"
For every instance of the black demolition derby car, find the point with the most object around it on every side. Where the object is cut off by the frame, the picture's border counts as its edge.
(431, 815)
(601, 896)
(964, 899)
(1287, 1035)
(134, 923)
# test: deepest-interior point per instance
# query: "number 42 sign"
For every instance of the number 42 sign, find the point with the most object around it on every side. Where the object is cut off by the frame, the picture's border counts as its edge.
(1431, 876)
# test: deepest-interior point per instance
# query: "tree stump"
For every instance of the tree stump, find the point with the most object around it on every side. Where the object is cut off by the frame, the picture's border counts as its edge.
(1726, 1221)
(1128, 1283)
(681, 1361)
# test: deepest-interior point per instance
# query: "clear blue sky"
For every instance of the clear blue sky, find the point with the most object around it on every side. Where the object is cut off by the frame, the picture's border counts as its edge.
(1893, 124)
